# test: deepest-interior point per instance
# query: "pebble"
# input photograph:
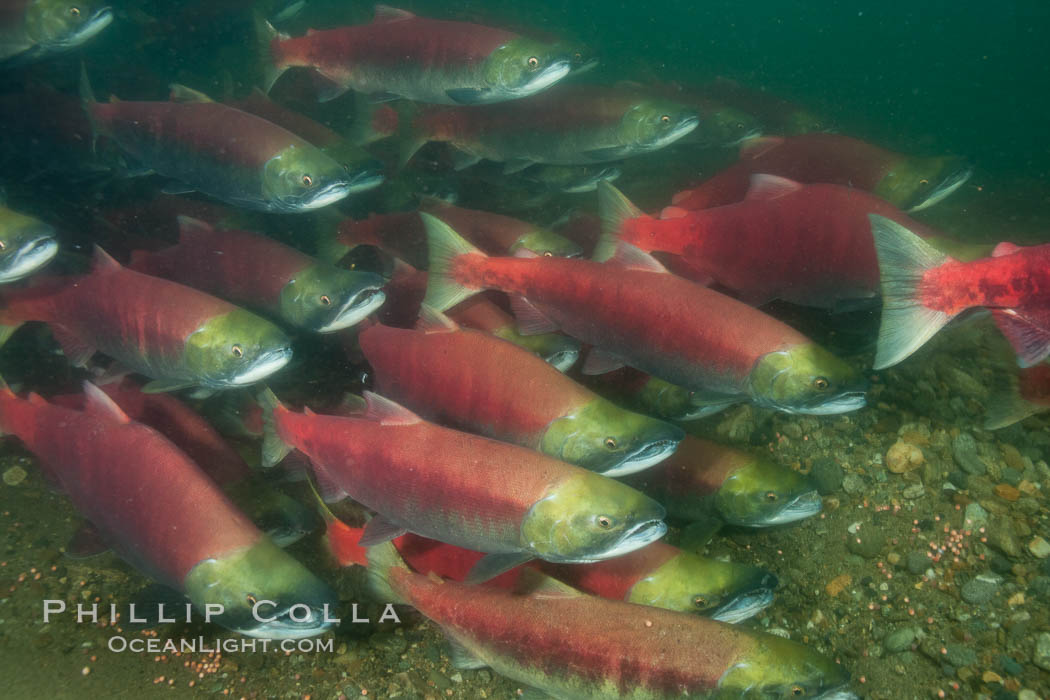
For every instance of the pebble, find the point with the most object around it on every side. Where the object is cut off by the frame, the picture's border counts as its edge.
(1007, 492)
(853, 484)
(14, 476)
(964, 450)
(900, 640)
(914, 491)
(1009, 666)
(976, 517)
(1041, 655)
(960, 655)
(1039, 548)
(981, 589)
(1000, 533)
(1026, 694)
(866, 543)
(904, 457)
(916, 562)
(827, 474)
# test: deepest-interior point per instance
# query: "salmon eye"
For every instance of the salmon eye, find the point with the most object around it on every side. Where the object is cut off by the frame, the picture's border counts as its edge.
(798, 691)
(252, 600)
(771, 496)
(610, 443)
(578, 56)
(74, 12)
(604, 522)
(533, 62)
(821, 383)
(237, 351)
(699, 601)
(326, 300)
(307, 180)
(665, 119)
(924, 182)
(2, 245)
(548, 254)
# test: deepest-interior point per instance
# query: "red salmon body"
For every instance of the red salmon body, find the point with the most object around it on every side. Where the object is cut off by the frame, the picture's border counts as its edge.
(147, 498)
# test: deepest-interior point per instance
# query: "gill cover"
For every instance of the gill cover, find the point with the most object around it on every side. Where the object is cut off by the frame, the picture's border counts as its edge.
(602, 437)
(235, 348)
(806, 378)
(262, 572)
(587, 517)
(522, 67)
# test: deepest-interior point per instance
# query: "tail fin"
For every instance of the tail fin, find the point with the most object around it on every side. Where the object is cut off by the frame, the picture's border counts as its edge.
(88, 101)
(343, 540)
(1007, 407)
(613, 208)
(382, 559)
(903, 259)
(274, 449)
(267, 38)
(443, 291)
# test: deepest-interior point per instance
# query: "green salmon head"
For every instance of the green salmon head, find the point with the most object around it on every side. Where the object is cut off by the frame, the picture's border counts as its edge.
(668, 400)
(694, 584)
(324, 298)
(587, 517)
(364, 171)
(264, 593)
(548, 244)
(236, 349)
(604, 438)
(729, 126)
(917, 183)
(806, 379)
(779, 668)
(60, 25)
(26, 245)
(762, 493)
(520, 68)
(559, 351)
(301, 177)
(652, 123)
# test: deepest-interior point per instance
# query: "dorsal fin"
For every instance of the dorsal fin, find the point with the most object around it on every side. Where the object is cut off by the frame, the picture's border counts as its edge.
(636, 259)
(36, 399)
(753, 148)
(307, 411)
(433, 321)
(766, 187)
(101, 261)
(387, 412)
(183, 93)
(385, 13)
(98, 403)
(1005, 248)
(190, 227)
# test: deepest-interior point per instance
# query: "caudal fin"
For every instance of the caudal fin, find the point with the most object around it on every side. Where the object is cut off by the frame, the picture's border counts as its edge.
(274, 449)
(443, 291)
(903, 260)
(268, 41)
(382, 560)
(614, 209)
(1006, 406)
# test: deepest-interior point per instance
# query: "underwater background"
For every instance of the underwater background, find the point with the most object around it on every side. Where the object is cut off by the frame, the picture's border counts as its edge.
(923, 576)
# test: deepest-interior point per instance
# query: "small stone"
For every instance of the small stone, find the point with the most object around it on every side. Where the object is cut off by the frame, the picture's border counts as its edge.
(838, 584)
(14, 476)
(1012, 457)
(893, 558)
(916, 562)
(1007, 492)
(964, 450)
(1041, 655)
(867, 543)
(900, 640)
(1039, 548)
(991, 677)
(904, 457)
(1001, 535)
(853, 484)
(960, 655)
(1011, 476)
(1016, 599)
(827, 474)
(1026, 694)
(914, 491)
(981, 589)
(1009, 666)
(975, 516)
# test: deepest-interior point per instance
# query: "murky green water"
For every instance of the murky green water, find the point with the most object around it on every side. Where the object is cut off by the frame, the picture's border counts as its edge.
(926, 573)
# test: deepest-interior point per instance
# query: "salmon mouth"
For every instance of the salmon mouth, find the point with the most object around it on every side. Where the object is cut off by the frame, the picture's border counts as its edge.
(355, 310)
(542, 80)
(843, 403)
(682, 128)
(946, 187)
(369, 177)
(562, 360)
(329, 194)
(745, 606)
(265, 365)
(801, 507)
(102, 18)
(282, 624)
(29, 258)
(590, 183)
(642, 534)
(644, 457)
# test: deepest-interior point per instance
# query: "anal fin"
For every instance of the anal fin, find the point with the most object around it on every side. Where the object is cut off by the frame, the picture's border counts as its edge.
(380, 530)
(86, 542)
(492, 565)
(1028, 333)
(531, 321)
(462, 658)
(76, 350)
(600, 362)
